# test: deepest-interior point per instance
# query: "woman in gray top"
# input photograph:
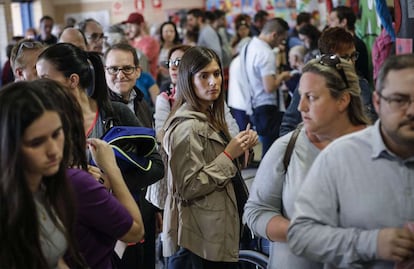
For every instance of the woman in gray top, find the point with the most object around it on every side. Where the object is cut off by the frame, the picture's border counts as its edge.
(330, 106)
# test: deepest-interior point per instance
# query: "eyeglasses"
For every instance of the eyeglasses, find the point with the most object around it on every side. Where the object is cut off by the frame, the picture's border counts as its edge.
(397, 102)
(96, 36)
(127, 70)
(333, 60)
(172, 62)
(353, 57)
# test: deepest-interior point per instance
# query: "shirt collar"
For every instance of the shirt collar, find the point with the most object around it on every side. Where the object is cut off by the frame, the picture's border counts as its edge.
(379, 149)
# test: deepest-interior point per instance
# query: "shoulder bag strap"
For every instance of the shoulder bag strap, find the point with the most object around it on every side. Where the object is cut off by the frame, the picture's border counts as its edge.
(291, 146)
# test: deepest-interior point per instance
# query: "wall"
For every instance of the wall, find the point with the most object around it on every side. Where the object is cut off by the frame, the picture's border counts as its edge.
(118, 10)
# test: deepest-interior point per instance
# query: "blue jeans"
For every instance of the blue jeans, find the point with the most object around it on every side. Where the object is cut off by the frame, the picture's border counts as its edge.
(241, 118)
(267, 121)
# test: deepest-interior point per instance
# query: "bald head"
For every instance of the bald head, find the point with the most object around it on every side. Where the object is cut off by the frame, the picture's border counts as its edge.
(73, 36)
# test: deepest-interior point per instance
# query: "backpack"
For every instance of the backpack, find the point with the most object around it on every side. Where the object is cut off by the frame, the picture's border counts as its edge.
(131, 146)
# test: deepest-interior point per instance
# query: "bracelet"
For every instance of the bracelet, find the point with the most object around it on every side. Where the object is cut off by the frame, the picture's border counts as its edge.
(228, 155)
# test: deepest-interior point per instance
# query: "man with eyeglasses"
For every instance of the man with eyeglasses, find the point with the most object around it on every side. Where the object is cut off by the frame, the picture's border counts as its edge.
(23, 59)
(355, 209)
(121, 72)
(93, 32)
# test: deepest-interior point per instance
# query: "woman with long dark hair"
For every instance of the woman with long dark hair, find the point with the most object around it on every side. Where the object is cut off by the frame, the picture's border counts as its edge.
(201, 215)
(37, 209)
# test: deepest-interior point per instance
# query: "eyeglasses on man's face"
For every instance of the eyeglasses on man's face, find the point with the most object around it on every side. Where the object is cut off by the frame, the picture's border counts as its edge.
(95, 36)
(114, 70)
(351, 57)
(171, 62)
(333, 60)
(397, 102)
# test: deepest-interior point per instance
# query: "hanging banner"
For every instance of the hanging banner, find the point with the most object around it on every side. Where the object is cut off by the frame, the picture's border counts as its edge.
(156, 3)
(139, 5)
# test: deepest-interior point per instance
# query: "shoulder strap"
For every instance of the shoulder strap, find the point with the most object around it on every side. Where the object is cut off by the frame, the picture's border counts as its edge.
(291, 146)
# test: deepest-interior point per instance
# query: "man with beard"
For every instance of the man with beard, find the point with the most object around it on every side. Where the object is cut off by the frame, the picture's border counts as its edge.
(355, 208)
(136, 31)
(207, 37)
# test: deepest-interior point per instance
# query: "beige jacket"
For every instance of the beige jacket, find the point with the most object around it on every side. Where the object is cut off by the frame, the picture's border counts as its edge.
(201, 209)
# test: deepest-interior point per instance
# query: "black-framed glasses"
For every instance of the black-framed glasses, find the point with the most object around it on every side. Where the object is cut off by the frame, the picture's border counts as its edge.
(171, 62)
(397, 102)
(333, 60)
(95, 36)
(127, 69)
(351, 57)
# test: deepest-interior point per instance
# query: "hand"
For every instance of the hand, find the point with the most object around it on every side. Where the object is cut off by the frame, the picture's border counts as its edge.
(102, 153)
(395, 244)
(241, 142)
(99, 176)
(95, 172)
(253, 138)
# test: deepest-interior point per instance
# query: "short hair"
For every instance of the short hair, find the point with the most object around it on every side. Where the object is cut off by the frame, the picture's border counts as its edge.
(82, 24)
(393, 63)
(312, 33)
(114, 34)
(210, 16)
(335, 39)
(277, 25)
(197, 13)
(46, 17)
(298, 50)
(344, 12)
(303, 17)
(335, 84)
(123, 47)
(77, 29)
(260, 15)
(219, 13)
(18, 51)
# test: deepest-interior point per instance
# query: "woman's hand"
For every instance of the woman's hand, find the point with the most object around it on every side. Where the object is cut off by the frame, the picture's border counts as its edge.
(102, 154)
(241, 142)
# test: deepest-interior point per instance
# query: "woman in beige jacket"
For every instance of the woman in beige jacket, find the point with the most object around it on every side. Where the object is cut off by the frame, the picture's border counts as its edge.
(201, 219)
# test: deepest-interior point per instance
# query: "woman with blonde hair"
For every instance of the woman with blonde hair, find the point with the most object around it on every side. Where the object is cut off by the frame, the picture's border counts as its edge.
(331, 107)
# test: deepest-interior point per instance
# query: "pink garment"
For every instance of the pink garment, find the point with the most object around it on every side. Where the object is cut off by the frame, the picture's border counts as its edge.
(170, 96)
(381, 50)
(151, 48)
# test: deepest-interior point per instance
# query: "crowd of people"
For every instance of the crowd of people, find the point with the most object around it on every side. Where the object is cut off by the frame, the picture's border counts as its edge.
(337, 145)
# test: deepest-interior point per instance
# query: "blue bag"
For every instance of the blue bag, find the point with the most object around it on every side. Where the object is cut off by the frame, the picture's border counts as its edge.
(131, 145)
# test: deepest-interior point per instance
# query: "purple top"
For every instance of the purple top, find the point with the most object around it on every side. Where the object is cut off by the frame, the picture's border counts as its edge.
(101, 219)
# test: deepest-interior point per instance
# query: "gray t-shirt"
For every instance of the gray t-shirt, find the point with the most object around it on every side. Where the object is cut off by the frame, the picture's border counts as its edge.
(52, 238)
(271, 186)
